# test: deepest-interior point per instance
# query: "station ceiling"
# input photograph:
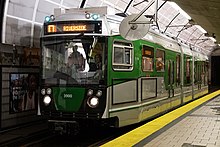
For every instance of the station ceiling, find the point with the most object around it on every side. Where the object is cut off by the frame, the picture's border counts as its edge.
(173, 21)
(24, 19)
(205, 13)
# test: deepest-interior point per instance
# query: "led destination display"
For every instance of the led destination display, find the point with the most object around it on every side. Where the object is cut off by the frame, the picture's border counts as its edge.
(73, 27)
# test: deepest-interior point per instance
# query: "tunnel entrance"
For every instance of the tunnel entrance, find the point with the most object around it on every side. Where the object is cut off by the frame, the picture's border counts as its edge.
(215, 72)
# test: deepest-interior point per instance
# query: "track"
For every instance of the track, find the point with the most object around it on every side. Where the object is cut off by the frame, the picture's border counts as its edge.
(90, 137)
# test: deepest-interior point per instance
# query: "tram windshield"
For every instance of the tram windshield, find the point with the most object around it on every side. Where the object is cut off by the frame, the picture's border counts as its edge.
(73, 61)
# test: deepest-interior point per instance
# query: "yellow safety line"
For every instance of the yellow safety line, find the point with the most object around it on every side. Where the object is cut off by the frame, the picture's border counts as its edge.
(133, 137)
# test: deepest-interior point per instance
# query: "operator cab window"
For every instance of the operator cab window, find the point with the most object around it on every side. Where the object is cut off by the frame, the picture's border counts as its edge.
(147, 58)
(122, 55)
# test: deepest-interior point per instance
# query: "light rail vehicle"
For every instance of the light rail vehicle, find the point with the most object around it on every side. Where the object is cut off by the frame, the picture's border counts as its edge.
(92, 75)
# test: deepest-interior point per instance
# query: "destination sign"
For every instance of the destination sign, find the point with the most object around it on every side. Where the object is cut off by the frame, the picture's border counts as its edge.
(73, 27)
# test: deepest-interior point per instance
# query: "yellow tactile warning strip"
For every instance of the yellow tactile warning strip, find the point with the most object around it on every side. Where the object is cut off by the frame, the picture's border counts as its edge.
(133, 137)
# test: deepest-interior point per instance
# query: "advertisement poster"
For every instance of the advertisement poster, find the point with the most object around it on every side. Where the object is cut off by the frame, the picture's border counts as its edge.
(23, 91)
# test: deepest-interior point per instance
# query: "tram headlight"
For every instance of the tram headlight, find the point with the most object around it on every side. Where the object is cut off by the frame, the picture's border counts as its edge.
(47, 100)
(47, 19)
(52, 17)
(43, 91)
(87, 15)
(95, 16)
(89, 92)
(99, 93)
(93, 102)
(49, 91)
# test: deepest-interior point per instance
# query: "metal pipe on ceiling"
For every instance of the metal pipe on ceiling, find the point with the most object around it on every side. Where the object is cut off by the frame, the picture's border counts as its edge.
(140, 3)
(191, 34)
(82, 3)
(171, 21)
(128, 6)
(147, 7)
(183, 28)
(124, 13)
(157, 9)
(197, 39)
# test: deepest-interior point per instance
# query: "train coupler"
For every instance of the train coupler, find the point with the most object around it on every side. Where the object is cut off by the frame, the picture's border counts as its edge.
(64, 127)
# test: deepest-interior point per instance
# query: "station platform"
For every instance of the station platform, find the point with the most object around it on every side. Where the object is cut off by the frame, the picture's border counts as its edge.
(196, 124)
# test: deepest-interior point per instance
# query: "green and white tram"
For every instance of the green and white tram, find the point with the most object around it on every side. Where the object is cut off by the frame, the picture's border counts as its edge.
(91, 74)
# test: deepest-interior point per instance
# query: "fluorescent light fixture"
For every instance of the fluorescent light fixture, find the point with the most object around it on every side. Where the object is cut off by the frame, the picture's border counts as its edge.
(175, 6)
(213, 39)
(201, 29)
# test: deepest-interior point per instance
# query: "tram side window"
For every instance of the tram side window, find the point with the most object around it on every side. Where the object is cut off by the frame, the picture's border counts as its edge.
(122, 55)
(196, 72)
(147, 58)
(178, 69)
(200, 72)
(160, 60)
(188, 72)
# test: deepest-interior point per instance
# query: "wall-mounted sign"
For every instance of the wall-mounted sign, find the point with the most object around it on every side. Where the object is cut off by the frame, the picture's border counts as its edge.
(23, 91)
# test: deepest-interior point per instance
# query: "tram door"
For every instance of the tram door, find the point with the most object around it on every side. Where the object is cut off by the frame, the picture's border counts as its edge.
(171, 78)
